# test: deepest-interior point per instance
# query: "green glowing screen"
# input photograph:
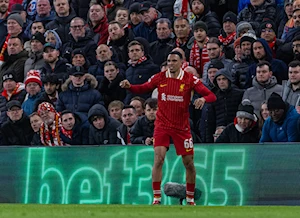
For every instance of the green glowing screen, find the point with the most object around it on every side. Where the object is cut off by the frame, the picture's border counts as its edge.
(226, 174)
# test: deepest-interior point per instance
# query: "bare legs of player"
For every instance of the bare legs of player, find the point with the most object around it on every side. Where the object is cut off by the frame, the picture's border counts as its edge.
(188, 162)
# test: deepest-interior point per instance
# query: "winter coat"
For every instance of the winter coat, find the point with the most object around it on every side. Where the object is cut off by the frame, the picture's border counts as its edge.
(62, 26)
(29, 103)
(122, 132)
(3, 31)
(239, 72)
(140, 74)
(259, 93)
(107, 135)
(284, 131)
(111, 90)
(160, 49)
(86, 44)
(142, 129)
(79, 99)
(226, 105)
(34, 62)
(101, 31)
(256, 15)
(279, 68)
(81, 8)
(166, 8)
(17, 133)
(289, 95)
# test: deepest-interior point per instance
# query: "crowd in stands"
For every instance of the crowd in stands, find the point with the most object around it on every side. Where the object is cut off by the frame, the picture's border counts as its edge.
(62, 61)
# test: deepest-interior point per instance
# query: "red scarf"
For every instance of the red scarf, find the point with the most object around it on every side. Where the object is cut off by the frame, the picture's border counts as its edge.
(50, 137)
(199, 57)
(4, 47)
(228, 39)
(272, 47)
(67, 133)
(133, 63)
(184, 8)
(178, 44)
(14, 92)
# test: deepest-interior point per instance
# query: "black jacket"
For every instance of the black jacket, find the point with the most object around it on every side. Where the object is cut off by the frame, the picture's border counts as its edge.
(142, 129)
(160, 49)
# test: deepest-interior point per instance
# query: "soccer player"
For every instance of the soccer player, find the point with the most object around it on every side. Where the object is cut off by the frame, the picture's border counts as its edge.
(172, 119)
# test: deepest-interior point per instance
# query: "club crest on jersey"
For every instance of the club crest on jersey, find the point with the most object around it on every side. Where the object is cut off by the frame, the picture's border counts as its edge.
(181, 87)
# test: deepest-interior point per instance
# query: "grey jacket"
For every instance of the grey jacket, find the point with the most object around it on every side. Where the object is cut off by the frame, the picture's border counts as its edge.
(34, 62)
(289, 95)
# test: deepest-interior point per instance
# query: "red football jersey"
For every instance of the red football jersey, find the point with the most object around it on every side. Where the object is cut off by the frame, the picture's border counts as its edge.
(174, 97)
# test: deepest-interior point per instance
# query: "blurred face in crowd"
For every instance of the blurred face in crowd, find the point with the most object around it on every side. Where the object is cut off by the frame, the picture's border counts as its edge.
(33, 88)
(110, 72)
(174, 63)
(263, 74)
(50, 55)
(36, 122)
(276, 114)
(135, 18)
(268, 34)
(129, 116)
(296, 18)
(135, 52)
(192, 71)
(50, 88)
(103, 53)
(3, 6)
(244, 122)
(43, 8)
(259, 51)
(149, 16)
(163, 31)
(77, 80)
(47, 117)
(98, 122)
(200, 35)
(37, 27)
(238, 51)
(296, 47)
(9, 85)
(211, 74)
(115, 112)
(138, 107)
(289, 10)
(246, 48)
(150, 113)
(229, 27)
(68, 121)
(122, 17)
(36, 46)
(243, 31)
(213, 50)
(14, 46)
(294, 75)
(77, 28)
(256, 2)
(51, 38)
(96, 13)
(115, 31)
(13, 28)
(181, 28)
(15, 113)
(222, 82)
(78, 60)
(264, 111)
(197, 7)
(62, 7)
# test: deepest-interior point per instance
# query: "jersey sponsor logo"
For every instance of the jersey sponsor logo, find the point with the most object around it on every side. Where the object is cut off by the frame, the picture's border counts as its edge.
(163, 85)
(175, 98)
(181, 87)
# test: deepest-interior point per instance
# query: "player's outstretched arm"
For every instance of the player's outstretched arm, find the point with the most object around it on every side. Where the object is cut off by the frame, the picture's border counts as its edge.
(125, 84)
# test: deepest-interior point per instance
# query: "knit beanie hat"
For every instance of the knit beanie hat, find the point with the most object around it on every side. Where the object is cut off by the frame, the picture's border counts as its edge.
(45, 106)
(135, 7)
(288, 2)
(215, 63)
(9, 74)
(246, 111)
(237, 42)
(230, 16)
(33, 76)
(200, 25)
(248, 37)
(275, 102)
(17, 17)
(268, 24)
(39, 37)
(241, 26)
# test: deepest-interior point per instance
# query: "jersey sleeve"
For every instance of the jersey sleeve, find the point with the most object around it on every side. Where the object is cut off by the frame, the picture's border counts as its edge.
(148, 86)
(203, 91)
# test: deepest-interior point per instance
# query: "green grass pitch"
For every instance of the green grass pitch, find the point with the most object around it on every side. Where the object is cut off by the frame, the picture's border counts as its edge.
(131, 211)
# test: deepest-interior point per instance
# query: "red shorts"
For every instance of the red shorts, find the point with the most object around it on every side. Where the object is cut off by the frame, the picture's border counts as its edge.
(182, 140)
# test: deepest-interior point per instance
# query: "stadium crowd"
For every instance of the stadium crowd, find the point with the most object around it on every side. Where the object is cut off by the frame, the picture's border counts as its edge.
(61, 64)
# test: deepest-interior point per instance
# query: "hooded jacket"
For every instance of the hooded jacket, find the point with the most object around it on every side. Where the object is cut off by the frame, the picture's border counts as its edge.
(142, 129)
(289, 95)
(227, 102)
(107, 135)
(61, 70)
(279, 68)
(240, 70)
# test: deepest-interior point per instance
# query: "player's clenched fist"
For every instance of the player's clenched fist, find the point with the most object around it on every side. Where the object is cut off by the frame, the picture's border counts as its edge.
(125, 84)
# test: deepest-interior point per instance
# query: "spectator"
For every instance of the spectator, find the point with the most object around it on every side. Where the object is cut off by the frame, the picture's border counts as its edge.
(212, 69)
(122, 16)
(296, 48)
(197, 44)
(288, 13)
(98, 22)
(103, 128)
(17, 130)
(143, 129)
(160, 48)
(36, 26)
(79, 59)
(264, 83)
(79, 92)
(138, 103)
(81, 8)
(264, 114)
(166, 8)
(115, 110)
(52, 37)
(141, 68)
(73, 130)
(35, 60)
(201, 10)
(61, 23)
(129, 117)
(244, 129)
(80, 37)
(294, 31)
(18, 9)
(242, 28)
(134, 17)
(282, 125)
(3, 16)
(33, 86)
(291, 89)
(218, 132)
(44, 11)
(110, 85)
(36, 123)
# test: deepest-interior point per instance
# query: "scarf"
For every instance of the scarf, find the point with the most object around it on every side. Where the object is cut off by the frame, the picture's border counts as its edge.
(19, 87)
(67, 133)
(134, 63)
(50, 136)
(178, 44)
(4, 47)
(184, 8)
(198, 56)
(227, 40)
(272, 47)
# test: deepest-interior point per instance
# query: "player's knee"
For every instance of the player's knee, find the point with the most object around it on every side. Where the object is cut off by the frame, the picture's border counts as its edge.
(159, 160)
(189, 165)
